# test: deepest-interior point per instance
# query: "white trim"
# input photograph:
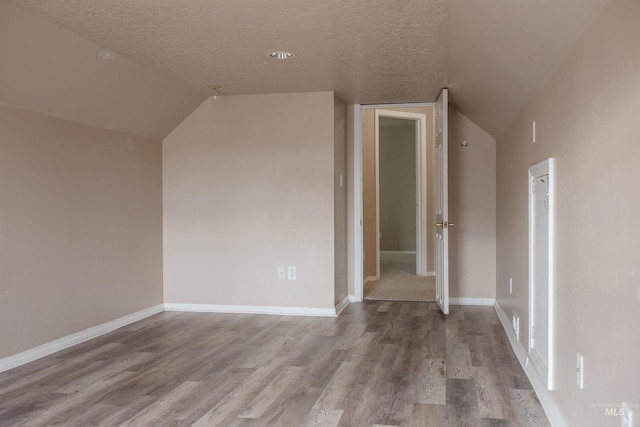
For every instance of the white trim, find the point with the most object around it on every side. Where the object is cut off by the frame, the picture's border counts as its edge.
(51, 347)
(472, 301)
(430, 273)
(342, 305)
(357, 203)
(353, 298)
(441, 199)
(252, 309)
(410, 105)
(376, 161)
(546, 374)
(398, 252)
(548, 405)
(369, 279)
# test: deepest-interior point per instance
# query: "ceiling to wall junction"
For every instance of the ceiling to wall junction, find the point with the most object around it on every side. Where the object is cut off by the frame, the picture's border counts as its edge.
(492, 54)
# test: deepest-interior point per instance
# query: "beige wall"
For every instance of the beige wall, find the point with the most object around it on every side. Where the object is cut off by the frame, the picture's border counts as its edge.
(398, 187)
(80, 227)
(472, 207)
(340, 199)
(587, 118)
(49, 69)
(248, 186)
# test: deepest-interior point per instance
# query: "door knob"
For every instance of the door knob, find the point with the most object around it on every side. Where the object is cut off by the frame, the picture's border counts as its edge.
(444, 224)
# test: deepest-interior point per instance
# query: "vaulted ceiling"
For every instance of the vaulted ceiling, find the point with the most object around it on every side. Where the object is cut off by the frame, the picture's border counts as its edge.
(492, 54)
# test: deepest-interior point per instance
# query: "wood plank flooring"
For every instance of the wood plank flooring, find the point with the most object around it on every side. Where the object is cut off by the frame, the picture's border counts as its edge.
(379, 363)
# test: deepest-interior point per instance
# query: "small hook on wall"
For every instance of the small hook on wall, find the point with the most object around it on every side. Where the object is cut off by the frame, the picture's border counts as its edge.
(464, 143)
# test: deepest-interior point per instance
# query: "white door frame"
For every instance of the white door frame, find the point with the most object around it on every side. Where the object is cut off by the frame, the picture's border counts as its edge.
(545, 373)
(358, 276)
(421, 184)
(441, 200)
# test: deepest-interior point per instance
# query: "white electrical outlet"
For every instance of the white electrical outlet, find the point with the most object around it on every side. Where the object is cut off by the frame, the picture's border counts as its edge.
(516, 325)
(580, 371)
(282, 272)
(510, 285)
(291, 272)
(533, 132)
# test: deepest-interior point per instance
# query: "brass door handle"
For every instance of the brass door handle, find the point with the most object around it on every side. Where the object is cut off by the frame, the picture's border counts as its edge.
(444, 224)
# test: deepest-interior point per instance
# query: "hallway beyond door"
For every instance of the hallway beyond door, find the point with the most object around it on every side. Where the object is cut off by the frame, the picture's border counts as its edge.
(398, 280)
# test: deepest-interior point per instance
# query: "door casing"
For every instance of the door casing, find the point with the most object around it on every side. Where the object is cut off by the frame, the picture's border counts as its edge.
(357, 218)
(421, 183)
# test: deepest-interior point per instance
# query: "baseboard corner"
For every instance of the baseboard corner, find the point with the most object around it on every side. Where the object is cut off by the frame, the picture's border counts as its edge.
(344, 302)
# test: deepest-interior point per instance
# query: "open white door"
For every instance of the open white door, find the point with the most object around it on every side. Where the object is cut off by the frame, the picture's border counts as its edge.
(442, 201)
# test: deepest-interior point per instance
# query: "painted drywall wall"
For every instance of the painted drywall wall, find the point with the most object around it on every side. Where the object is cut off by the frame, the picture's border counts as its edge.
(248, 186)
(49, 69)
(80, 227)
(398, 187)
(340, 199)
(472, 208)
(587, 119)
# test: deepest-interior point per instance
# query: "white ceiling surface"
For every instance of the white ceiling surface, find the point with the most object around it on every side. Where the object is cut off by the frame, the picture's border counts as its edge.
(493, 54)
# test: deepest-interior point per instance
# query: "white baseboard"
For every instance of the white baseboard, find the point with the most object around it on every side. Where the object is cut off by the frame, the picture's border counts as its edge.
(549, 406)
(352, 298)
(399, 252)
(252, 309)
(472, 301)
(369, 279)
(51, 347)
(342, 305)
(430, 273)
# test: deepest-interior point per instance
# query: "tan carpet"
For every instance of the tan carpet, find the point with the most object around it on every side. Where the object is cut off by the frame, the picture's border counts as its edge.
(402, 288)
(398, 281)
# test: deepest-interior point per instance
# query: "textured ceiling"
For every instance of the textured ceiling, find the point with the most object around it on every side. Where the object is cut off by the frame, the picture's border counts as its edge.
(492, 53)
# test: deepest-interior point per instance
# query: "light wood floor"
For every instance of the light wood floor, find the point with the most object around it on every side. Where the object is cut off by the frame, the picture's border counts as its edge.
(378, 363)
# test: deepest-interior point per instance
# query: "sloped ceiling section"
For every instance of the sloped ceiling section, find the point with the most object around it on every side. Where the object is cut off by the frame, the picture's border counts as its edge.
(501, 52)
(492, 54)
(51, 70)
(368, 51)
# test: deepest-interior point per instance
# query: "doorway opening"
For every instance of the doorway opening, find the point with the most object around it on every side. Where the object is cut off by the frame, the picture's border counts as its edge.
(437, 217)
(396, 195)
